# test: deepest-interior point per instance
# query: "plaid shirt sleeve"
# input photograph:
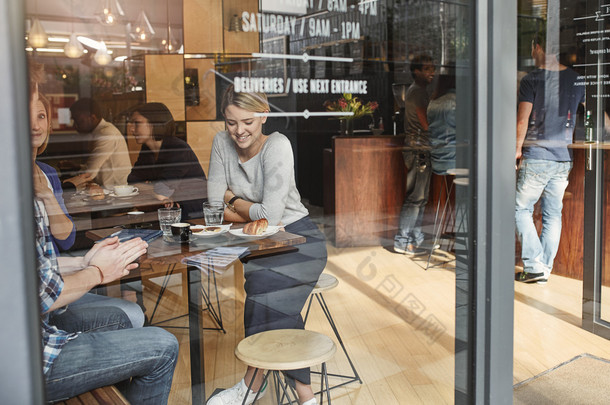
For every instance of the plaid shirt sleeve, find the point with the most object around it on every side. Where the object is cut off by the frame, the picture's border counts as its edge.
(50, 287)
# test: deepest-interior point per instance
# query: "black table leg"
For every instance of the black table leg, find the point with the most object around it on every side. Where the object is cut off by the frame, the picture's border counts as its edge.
(196, 335)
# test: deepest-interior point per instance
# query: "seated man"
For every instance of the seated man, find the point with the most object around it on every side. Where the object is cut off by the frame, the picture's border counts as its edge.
(87, 347)
(108, 164)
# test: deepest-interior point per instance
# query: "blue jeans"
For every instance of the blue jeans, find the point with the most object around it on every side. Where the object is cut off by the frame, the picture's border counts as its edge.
(545, 180)
(131, 309)
(139, 361)
(419, 172)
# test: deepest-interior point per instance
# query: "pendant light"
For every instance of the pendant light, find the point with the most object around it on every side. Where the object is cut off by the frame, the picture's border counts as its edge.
(170, 44)
(73, 49)
(111, 12)
(143, 30)
(37, 37)
(102, 57)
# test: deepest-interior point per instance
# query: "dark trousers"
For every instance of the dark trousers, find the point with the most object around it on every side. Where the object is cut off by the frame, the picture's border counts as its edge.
(277, 287)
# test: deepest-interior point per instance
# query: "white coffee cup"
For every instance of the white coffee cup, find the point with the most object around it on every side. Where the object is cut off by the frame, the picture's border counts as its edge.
(124, 189)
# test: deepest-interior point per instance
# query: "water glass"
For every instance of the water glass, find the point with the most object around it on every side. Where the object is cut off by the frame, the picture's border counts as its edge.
(213, 213)
(167, 217)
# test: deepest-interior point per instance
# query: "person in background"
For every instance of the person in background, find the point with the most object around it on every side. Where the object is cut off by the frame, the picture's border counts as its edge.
(47, 186)
(253, 174)
(442, 125)
(166, 161)
(87, 347)
(548, 99)
(108, 164)
(417, 158)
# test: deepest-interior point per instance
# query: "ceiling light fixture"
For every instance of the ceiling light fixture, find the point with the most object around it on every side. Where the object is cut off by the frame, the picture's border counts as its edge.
(37, 37)
(143, 30)
(111, 12)
(73, 49)
(102, 57)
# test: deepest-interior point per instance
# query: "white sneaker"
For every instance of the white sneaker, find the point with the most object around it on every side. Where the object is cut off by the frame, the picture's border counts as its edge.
(312, 401)
(236, 394)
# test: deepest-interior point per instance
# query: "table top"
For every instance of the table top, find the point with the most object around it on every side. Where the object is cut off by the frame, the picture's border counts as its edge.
(162, 252)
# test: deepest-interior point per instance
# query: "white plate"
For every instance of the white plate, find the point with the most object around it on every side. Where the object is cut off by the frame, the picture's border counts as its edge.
(201, 231)
(240, 232)
(136, 192)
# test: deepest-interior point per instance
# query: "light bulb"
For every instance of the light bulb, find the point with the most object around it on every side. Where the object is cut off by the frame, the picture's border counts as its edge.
(102, 57)
(74, 49)
(37, 38)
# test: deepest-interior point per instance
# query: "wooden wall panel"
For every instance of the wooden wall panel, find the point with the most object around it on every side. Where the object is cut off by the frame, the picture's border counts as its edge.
(200, 136)
(206, 110)
(239, 42)
(165, 82)
(202, 26)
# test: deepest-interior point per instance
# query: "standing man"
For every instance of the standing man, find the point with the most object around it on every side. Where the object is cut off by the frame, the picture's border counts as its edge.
(417, 158)
(109, 163)
(548, 99)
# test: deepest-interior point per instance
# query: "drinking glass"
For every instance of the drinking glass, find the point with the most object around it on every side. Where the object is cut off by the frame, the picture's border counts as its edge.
(213, 213)
(167, 217)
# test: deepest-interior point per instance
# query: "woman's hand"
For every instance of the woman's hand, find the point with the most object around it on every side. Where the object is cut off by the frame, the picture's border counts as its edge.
(115, 260)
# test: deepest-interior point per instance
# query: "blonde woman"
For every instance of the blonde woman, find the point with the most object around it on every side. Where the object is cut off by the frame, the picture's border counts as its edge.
(253, 174)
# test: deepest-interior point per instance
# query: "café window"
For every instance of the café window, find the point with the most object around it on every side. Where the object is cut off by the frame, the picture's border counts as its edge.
(365, 142)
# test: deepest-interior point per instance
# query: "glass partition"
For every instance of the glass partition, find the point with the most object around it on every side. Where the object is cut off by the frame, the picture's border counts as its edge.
(373, 101)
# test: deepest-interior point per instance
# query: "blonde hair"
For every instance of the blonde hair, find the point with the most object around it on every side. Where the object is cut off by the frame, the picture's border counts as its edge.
(253, 102)
(47, 106)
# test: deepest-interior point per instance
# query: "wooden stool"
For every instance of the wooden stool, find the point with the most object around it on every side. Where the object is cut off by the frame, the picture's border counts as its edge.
(286, 349)
(108, 395)
(328, 282)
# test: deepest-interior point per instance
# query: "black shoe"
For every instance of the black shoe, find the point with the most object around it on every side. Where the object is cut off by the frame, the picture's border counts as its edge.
(524, 277)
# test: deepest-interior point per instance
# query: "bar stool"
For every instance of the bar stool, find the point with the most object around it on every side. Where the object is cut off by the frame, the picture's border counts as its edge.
(328, 282)
(286, 349)
(447, 216)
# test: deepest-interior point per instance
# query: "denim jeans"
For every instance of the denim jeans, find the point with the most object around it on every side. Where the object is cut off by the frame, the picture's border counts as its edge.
(419, 172)
(140, 361)
(89, 300)
(545, 180)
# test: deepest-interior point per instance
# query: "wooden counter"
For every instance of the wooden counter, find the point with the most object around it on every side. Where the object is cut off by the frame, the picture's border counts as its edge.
(364, 189)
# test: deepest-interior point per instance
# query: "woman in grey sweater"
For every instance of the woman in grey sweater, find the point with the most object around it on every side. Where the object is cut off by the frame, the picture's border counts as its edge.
(253, 174)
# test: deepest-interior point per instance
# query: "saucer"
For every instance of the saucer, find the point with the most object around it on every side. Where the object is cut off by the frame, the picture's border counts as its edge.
(133, 193)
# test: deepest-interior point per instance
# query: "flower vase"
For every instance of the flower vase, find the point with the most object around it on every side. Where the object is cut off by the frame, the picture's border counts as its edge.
(347, 127)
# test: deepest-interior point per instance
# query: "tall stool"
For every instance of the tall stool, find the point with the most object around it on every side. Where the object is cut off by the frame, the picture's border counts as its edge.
(286, 349)
(328, 282)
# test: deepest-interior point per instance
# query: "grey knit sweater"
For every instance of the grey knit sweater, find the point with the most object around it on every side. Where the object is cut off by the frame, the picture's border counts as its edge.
(267, 179)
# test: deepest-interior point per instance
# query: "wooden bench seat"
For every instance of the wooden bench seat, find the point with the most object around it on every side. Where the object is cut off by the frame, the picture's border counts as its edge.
(108, 395)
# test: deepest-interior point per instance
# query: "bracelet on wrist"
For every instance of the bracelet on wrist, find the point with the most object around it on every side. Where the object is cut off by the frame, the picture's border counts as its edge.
(101, 273)
(231, 202)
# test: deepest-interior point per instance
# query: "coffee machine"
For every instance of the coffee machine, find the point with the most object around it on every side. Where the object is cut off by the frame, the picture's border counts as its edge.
(399, 90)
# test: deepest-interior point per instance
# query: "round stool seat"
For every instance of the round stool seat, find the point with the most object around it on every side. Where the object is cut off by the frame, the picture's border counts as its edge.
(325, 282)
(285, 349)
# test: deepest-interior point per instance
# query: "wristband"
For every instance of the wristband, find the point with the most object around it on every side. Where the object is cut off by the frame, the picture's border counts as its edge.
(101, 273)
(230, 203)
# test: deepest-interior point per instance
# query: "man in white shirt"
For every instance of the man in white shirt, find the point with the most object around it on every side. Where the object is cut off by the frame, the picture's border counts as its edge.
(108, 164)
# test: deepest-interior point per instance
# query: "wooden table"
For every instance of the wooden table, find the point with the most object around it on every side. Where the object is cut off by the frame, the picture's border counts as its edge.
(163, 253)
(90, 214)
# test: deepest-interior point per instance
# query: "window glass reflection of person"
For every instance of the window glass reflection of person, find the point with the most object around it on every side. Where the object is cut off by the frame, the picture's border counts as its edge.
(417, 158)
(47, 186)
(255, 173)
(166, 161)
(90, 346)
(108, 164)
(442, 125)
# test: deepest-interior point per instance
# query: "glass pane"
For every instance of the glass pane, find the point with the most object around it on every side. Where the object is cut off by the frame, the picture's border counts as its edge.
(366, 147)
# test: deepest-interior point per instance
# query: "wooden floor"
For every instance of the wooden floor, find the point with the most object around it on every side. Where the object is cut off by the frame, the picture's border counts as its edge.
(397, 321)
